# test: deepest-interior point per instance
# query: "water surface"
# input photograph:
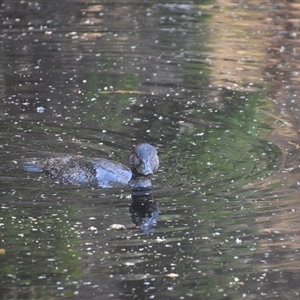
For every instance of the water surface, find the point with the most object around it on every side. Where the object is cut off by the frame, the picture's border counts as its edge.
(204, 86)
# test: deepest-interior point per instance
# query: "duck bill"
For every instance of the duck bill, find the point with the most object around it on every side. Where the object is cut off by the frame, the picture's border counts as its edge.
(147, 169)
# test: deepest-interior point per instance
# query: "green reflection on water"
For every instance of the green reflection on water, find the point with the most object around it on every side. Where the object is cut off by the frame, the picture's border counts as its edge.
(221, 148)
(225, 146)
(41, 250)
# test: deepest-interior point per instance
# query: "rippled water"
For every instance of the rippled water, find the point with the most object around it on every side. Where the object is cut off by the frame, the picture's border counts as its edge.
(216, 96)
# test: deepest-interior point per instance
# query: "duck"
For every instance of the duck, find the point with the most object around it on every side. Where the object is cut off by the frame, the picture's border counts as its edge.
(101, 172)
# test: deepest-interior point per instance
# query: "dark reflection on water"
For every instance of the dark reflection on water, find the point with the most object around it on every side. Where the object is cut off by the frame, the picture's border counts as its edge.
(144, 210)
(93, 78)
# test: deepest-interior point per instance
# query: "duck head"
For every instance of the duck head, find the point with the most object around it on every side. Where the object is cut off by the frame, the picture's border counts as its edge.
(144, 160)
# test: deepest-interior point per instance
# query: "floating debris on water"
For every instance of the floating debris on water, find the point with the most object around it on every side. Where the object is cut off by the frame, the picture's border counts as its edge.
(117, 226)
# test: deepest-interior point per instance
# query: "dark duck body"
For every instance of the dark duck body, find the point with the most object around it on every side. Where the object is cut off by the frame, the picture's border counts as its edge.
(102, 172)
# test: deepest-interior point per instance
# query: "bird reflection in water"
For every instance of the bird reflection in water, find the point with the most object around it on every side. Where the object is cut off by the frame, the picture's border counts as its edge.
(144, 210)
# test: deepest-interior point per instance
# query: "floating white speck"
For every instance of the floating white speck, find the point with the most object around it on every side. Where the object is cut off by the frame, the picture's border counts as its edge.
(158, 239)
(88, 22)
(40, 109)
(93, 228)
(173, 275)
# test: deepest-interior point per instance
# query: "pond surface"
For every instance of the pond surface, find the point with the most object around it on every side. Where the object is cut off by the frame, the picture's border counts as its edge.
(215, 94)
